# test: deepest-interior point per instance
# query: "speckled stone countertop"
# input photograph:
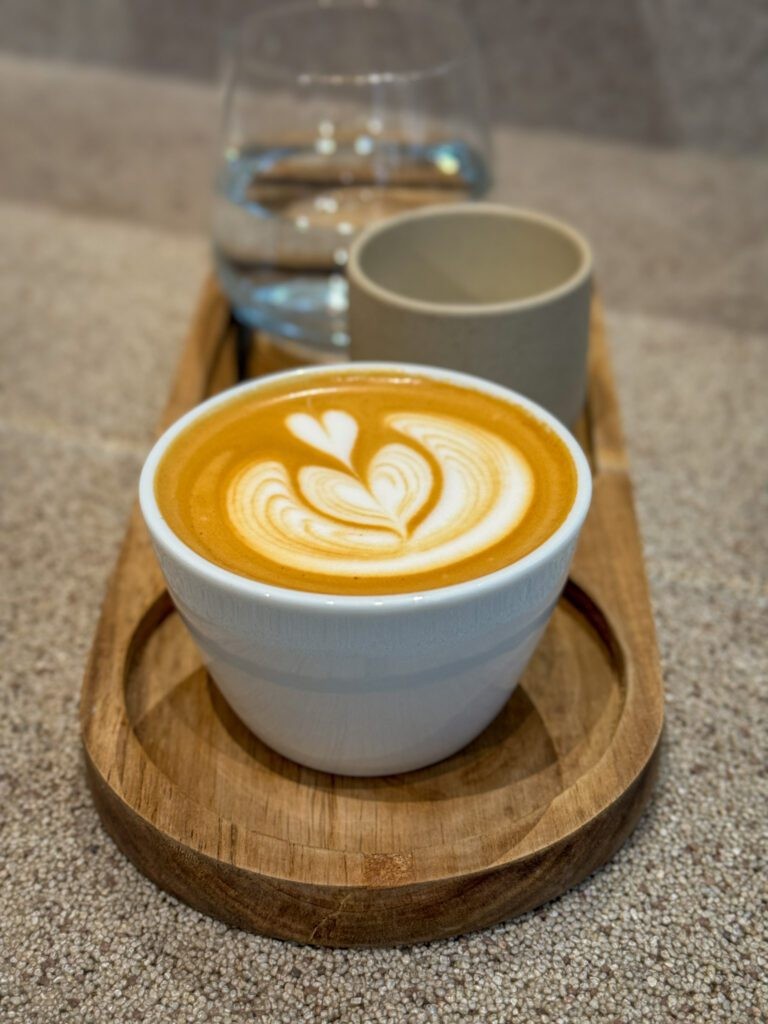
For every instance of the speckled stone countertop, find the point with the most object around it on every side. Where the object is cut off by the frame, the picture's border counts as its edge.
(103, 182)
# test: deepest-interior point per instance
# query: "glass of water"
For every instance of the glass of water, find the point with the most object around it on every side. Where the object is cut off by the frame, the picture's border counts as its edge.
(337, 113)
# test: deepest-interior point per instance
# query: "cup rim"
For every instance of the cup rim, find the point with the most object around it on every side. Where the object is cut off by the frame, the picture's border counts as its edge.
(362, 280)
(164, 536)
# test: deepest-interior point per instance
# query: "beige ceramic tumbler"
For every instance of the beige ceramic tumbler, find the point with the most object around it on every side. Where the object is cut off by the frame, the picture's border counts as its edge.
(500, 292)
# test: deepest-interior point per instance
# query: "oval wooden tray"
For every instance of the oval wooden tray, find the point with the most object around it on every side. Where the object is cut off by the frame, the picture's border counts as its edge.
(543, 797)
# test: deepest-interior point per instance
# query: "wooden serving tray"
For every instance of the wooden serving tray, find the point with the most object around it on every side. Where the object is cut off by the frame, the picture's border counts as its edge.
(543, 797)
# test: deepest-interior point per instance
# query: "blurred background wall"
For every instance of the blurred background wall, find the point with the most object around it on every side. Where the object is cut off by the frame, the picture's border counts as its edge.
(665, 72)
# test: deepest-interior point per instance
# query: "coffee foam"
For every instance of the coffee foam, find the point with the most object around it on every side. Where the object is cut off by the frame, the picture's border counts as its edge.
(365, 482)
(357, 521)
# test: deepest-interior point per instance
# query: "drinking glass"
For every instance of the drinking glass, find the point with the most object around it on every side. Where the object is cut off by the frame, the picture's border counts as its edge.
(337, 113)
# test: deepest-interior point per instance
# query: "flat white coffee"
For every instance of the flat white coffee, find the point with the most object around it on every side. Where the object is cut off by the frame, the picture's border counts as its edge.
(364, 481)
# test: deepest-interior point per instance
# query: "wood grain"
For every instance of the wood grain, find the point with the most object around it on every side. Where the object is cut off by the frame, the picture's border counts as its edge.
(542, 798)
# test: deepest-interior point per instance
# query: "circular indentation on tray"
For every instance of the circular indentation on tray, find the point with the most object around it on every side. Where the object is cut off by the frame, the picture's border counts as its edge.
(556, 726)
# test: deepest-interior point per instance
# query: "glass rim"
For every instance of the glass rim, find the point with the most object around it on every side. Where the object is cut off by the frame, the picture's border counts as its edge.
(235, 42)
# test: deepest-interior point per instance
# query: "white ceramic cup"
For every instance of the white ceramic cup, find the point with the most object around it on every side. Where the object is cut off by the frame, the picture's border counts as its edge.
(479, 287)
(365, 685)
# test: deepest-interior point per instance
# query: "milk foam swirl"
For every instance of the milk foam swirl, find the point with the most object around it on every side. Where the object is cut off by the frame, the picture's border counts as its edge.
(353, 520)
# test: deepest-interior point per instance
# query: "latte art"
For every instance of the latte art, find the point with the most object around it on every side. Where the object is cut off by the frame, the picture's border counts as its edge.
(354, 481)
(358, 521)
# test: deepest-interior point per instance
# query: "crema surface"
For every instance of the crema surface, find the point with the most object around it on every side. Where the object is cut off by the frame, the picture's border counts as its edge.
(365, 482)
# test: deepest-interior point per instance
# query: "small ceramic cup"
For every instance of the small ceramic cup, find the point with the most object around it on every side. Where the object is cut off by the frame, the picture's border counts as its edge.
(478, 287)
(366, 685)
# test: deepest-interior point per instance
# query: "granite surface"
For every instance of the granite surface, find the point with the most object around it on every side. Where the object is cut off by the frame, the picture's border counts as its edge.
(675, 232)
(687, 72)
(98, 272)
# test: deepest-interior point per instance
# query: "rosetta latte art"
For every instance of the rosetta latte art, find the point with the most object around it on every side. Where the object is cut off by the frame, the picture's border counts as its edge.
(347, 519)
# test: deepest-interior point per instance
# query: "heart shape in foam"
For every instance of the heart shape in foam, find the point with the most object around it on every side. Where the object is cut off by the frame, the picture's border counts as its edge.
(334, 432)
(399, 482)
